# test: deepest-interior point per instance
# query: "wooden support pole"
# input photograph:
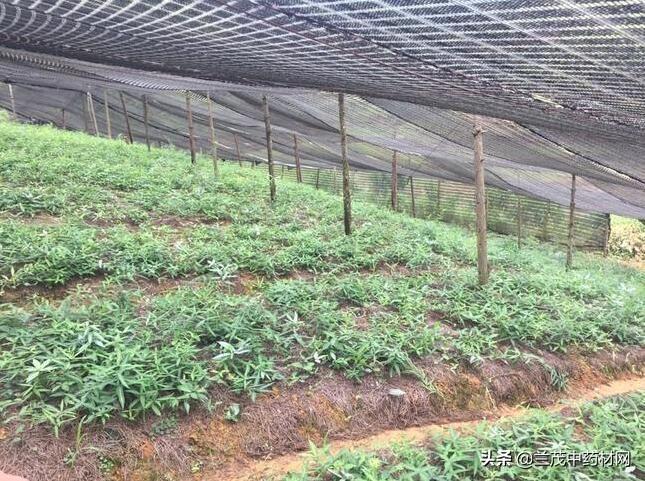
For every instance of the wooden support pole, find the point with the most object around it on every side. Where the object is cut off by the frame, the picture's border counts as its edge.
(211, 124)
(146, 125)
(317, 178)
(347, 196)
(605, 247)
(395, 183)
(480, 204)
(12, 99)
(191, 129)
(438, 206)
(108, 121)
(296, 154)
(237, 149)
(127, 118)
(572, 212)
(90, 107)
(519, 220)
(63, 119)
(267, 126)
(414, 205)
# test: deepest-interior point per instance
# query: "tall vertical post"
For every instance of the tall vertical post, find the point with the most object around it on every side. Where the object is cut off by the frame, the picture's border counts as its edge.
(519, 220)
(414, 205)
(63, 119)
(480, 204)
(438, 206)
(347, 199)
(605, 246)
(90, 106)
(146, 125)
(395, 184)
(211, 124)
(127, 118)
(108, 121)
(572, 212)
(237, 149)
(267, 126)
(545, 224)
(191, 128)
(317, 178)
(296, 154)
(12, 99)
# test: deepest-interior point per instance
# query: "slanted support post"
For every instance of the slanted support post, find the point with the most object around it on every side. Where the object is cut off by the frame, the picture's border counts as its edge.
(395, 184)
(12, 99)
(480, 204)
(211, 124)
(267, 126)
(347, 199)
(191, 129)
(127, 118)
(108, 121)
(414, 205)
(572, 212)
(90, 107)
(237, 149)
(146, 126)
(296, 155)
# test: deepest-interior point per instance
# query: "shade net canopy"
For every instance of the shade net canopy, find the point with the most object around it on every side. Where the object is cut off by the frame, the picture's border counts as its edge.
(559, 83)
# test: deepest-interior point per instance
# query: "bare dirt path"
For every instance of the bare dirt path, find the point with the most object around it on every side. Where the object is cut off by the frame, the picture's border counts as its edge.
(259, 470)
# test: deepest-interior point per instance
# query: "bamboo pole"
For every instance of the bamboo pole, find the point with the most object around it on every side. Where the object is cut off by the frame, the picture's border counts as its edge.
(127, 118)
(211, 124)
(395, 184)
(237, 149)
(572, 212)
(108, 121)
(347, 198)
(90, 105)
(296, 154)
(191, 129)
(267, 126)
(414, 205)
(146, 125)
(12, 99)
(480, 204)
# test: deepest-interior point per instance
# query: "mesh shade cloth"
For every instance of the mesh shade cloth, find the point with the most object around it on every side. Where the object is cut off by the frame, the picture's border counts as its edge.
(561, 82)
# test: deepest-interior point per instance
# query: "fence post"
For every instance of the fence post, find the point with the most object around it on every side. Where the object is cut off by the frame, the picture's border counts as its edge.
(545, 226)
(395, 185)
(317, 178)
(438, 206)
(267, 125)
(414, 206)
(191, 128)
(347, 199)
(519, 220)
(146, 127)
(12, 100)
(63, 120)
(237, 149)
(108, 121)
(127, 118)
(605, 247)
(296, 154)
(90, 106)
(211, 124)
(572, 211)
(480, 204)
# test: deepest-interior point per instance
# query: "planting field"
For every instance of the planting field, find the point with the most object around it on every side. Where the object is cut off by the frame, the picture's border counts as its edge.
(157, 322)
